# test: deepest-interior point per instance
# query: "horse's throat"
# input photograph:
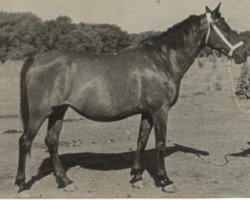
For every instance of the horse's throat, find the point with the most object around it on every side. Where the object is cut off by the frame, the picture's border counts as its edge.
(181, 60)
(192, 50)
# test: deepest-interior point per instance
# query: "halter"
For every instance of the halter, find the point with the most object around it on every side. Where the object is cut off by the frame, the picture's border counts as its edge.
(220, 34)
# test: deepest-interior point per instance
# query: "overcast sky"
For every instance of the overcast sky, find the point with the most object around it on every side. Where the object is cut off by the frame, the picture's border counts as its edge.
(132, 15)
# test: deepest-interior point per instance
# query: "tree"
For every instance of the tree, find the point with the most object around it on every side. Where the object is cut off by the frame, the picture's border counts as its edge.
(112, 37)
(20, 34)
(78, 40)
(56, 30)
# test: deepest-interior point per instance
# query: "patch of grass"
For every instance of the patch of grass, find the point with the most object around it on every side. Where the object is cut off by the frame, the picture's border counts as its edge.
(201, 63)
(10, 116)
(218, 86)
(72, 120)
(199, 93)
(12, 131)
(39, 146)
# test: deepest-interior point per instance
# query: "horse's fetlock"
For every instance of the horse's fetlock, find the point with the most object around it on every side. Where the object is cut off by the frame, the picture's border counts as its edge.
(135, 171)
(50, 142)
(161, 147)
(59, 174)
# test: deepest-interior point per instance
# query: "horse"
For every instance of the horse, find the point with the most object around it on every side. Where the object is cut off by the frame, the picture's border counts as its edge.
(144, 80)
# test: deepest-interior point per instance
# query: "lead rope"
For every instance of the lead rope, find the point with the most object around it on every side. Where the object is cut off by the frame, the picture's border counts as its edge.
(218, 165)
(232, 49)
(240, 108)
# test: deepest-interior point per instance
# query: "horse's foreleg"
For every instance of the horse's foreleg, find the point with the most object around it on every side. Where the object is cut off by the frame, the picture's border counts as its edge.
(144, 131)
(52, 141)
(25, 142)
(160, 124)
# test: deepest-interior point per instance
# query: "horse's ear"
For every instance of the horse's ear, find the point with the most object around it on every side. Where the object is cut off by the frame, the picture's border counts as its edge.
(217, 9)
(216, 12)
(208, 9)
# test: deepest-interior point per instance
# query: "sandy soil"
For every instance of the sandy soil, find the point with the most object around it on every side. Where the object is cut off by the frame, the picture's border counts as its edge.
(204, 126)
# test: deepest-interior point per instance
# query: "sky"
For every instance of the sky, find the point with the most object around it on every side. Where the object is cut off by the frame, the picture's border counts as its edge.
(132, 15)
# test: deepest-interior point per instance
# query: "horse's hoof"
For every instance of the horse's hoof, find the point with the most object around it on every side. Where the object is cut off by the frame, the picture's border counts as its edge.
(70, 188)
(63, 182)
(169, 189)
(138, 184)
(21, 185)
(163, 181)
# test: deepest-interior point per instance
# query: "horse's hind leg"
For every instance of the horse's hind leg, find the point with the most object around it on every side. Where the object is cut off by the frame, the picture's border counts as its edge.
(144, 131)
(25, 142)
(52, 141)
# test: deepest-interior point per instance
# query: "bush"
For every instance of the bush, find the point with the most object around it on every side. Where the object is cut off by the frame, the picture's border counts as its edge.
(243, 85)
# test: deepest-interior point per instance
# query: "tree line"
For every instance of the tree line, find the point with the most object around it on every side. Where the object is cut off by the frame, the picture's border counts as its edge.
(23, 34)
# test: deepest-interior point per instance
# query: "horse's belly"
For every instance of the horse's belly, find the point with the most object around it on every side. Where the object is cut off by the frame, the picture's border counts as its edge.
(103, 105)
(100, 111)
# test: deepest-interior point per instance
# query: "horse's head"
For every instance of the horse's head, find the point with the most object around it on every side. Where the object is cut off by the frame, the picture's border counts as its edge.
(222, 38)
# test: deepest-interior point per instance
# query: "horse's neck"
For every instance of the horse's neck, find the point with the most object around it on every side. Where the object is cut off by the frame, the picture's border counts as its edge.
(181, 59)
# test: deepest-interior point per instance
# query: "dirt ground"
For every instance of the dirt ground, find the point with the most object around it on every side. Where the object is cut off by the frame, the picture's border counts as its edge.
(204, 126)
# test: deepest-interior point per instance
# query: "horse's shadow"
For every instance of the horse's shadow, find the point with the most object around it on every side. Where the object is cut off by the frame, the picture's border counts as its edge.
(243, 153)
(109, 161)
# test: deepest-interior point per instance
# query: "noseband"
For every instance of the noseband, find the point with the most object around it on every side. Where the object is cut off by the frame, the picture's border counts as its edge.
(220, 34)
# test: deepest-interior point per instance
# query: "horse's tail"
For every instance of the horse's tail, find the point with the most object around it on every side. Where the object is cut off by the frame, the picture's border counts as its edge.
(24, 105)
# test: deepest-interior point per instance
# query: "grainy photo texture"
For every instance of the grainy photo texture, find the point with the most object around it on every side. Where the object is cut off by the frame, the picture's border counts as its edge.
(124, 98)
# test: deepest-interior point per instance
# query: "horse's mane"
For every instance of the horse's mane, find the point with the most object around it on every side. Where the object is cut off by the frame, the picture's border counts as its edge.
(175, 36)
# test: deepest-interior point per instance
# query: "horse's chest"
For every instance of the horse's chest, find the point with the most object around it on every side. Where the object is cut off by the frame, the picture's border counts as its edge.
(162, 92)
(171, 92)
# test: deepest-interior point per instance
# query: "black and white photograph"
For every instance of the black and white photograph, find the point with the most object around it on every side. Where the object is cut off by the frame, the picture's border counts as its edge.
(124, 98)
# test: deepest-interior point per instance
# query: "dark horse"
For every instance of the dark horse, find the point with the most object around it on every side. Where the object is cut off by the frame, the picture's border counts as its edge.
(107, 87)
